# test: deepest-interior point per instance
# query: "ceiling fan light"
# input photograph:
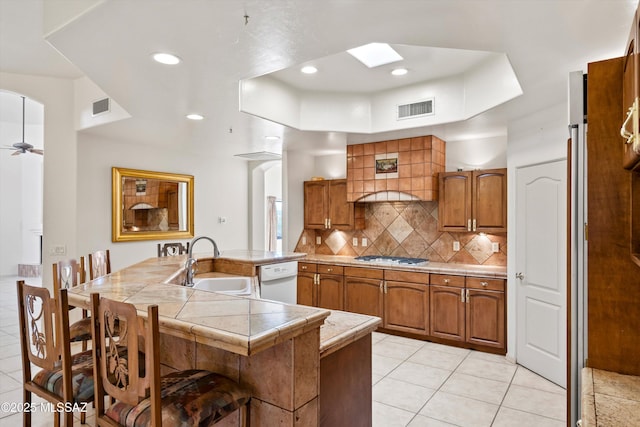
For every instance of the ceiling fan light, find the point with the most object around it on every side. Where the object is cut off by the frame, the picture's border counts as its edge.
(195, 116)
(399, 71)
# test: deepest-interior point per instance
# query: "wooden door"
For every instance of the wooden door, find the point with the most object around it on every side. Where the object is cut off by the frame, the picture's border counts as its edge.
(485, 318)
(340, 211)
(331, 292)
(489, 203)
(306, 289)
(541, 269)
(406, 307)
(316, 202)
(447, 312)
(454, 206)
(364, 296)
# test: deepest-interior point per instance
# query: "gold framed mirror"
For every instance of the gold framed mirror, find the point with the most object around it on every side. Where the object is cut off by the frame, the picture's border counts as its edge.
(150, 205)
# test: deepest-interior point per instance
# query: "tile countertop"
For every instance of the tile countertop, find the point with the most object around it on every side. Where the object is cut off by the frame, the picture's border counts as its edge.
(237, 324)
(609, 399)
(430, 267)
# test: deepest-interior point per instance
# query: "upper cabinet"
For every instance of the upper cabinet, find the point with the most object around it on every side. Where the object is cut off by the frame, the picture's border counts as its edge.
(473, 201)
(326, 206)
(630, 100)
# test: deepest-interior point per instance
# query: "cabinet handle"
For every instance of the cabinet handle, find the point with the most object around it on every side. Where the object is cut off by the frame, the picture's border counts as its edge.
(385, 286)
(317, 278)
(446, 280)
(303, 267)
(329, 270)
(326, 223)
(484, 284)
(469, 225)
(329, 223)
(462, 295)
(467, 296)
(381, 286)
(631, 114)
(474, 225)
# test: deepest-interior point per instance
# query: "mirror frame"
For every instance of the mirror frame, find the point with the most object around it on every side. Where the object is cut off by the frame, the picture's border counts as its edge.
(117, 202)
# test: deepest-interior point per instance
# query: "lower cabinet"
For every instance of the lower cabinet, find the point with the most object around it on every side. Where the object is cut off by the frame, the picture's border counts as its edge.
(406, 302)
(320, 285)
(364, 291)
(485, 319)
(447, 307)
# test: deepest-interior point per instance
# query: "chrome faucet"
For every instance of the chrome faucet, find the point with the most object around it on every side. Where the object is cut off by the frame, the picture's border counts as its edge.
(191, 262)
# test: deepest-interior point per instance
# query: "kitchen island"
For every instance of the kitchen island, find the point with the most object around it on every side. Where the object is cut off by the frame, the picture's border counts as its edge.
(280, 351)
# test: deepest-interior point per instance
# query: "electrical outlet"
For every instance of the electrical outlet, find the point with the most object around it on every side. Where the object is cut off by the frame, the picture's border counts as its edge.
(304, 240)
(58, 250)
(354, 242)
(456, 246)
(318, 240)
(495, 247)
(365, 242)
(222, 219)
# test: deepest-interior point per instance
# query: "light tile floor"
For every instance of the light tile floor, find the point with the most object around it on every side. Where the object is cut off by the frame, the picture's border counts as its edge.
(416, 383)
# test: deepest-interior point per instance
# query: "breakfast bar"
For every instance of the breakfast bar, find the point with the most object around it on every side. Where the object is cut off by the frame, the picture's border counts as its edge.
(280, 351)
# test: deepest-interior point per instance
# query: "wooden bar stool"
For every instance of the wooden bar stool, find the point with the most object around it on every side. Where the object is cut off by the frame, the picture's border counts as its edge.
(143, 397)
(44, 341)
(99, 264)
(67, 274)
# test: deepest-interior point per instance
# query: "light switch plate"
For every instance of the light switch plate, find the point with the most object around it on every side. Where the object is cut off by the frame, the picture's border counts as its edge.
(58, 250)
(354, 242)
(495, 247)
(364, 241)
(318, 240)
(456, 246)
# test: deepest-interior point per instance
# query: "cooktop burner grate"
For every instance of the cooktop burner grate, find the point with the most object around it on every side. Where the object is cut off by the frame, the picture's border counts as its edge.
(391, 260)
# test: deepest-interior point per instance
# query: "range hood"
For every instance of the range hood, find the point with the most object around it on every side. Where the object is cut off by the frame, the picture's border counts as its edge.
(397, 170)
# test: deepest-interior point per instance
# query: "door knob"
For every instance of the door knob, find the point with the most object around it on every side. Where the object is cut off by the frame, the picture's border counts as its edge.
(520, 276)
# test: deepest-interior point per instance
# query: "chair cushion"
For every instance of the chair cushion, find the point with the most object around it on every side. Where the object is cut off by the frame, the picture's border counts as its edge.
(189, 398)
(80, 330)
(81, 378)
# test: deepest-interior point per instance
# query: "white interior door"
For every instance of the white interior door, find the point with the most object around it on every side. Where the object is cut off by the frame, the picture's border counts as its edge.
(541, 267)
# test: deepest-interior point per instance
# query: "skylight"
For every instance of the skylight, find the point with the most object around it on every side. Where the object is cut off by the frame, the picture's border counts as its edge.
(375, 54)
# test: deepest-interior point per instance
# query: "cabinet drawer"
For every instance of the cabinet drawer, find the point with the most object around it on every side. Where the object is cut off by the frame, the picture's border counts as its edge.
(330, 269)
(484, 283)
(406, 276)
(446, 280)
(308, 267)
(368, 273)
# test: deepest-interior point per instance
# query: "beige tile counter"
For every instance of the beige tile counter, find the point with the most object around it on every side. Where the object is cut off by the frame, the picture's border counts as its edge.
(610, 399)
(430, 267)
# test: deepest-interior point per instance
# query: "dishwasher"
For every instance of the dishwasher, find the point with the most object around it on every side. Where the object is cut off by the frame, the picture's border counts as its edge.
(279, 282)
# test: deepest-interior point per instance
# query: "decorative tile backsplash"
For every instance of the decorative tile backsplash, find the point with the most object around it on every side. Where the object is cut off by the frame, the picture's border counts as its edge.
(407, 229)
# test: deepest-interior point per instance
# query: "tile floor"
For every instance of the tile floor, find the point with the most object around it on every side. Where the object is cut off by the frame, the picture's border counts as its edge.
(416, 383)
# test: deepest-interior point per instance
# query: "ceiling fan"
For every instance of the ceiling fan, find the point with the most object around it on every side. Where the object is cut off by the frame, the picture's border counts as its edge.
(22, 146)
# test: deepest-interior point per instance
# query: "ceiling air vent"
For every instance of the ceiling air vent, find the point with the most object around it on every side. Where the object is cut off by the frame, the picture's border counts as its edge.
(416, 109)
(100, 107)
(260, 155)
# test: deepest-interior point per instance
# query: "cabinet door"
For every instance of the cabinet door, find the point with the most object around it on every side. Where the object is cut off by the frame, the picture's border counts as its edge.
(316, 203)
(489, 201)
(340, 211)
(306, 289)
(454, 206)
(630, 92)
(447, 312)
(406, 307)
(363, 296)
(485, 318)
(331, 292)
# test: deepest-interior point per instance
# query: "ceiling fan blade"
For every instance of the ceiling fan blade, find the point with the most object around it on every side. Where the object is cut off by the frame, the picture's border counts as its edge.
(37, 151)
(15, 153)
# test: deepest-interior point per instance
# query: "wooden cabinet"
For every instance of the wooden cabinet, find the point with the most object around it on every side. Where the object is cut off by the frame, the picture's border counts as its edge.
(485, 319)
(406, 302)
(473, 201)
(630, 99)
(447, 307)
(364, 291)
(320, 285)
(326, 206)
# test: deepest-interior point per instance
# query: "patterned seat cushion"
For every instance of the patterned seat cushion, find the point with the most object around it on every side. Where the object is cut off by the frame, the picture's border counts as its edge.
(81, 378)
(189, 398)
(80, 330)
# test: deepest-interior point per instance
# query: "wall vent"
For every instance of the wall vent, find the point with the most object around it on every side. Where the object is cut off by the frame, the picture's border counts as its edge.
(416, 109)
(101, 106)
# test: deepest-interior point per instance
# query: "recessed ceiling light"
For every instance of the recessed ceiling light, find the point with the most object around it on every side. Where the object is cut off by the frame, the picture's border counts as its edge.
(272, 138)
(399, 71)
(309, 69)
(166, 58)
(375, 54)
(195, 116)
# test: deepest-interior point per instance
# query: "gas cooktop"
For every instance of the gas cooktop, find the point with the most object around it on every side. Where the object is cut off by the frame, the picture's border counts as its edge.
(380, 259)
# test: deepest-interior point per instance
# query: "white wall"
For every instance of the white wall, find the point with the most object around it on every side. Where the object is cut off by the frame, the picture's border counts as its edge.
(265, 180)
(477, 153)
(59, 172)
(296, 167)
(220, 183)
(534, 139)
